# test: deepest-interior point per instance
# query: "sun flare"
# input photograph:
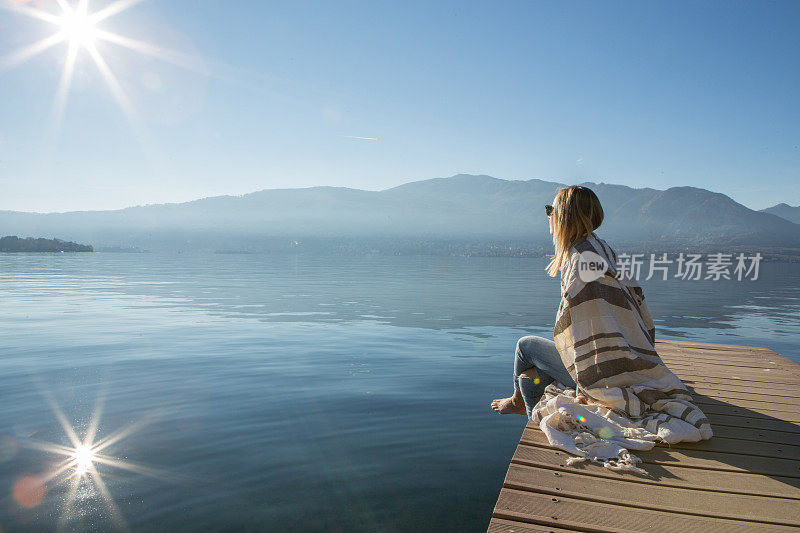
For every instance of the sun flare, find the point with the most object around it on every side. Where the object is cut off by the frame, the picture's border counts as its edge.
(78, 27)
(84, 458)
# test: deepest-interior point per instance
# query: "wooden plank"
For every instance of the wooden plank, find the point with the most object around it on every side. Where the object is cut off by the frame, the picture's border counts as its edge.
(741, 392)
(764, 354)
(690, 347)
(700, 458)
(700, 363)
(763, 414)
(772, 424)
(746, 396)
(655, 497)
(726, 395)
(791, 390)
(783, 381)
(733, 367)
(586, 515)
(718, 356)
(723, 356)
(498, 525)
(761, 380)
(762, 435)
(723, 365)
(668, 475)
(756, 405)
(752, 365)
(730, 367)
(710, 346)
(741, 400)
(719, 443)
(746, 478)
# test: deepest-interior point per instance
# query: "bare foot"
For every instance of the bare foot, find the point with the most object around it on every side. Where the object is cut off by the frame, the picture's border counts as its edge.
(507, 406)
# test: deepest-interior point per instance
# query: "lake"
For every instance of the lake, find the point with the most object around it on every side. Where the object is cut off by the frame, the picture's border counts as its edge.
(299, 392)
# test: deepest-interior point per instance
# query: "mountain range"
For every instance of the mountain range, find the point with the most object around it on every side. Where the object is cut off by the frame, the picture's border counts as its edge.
(785, 211)
(464, 207)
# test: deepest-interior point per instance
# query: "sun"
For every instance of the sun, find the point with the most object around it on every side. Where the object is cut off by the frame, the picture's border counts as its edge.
(78, 27)
(84, 458)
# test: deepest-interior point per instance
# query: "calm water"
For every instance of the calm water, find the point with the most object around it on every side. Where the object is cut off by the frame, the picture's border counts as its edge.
(289, 393)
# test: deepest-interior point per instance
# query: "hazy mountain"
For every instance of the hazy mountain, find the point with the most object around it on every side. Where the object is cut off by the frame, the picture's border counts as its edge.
(785, 211)
(478, 208)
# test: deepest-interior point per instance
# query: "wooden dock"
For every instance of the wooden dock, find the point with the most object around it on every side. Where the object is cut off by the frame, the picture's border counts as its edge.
(745, 478)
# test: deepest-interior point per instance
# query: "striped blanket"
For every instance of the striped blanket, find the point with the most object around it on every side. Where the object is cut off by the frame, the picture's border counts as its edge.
(606, 338)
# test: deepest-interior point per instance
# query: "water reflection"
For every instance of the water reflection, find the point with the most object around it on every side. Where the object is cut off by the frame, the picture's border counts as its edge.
(418, 292)
(279, 381)
(78, 467)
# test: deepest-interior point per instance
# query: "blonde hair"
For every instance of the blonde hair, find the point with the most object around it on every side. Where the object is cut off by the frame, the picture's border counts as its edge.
(576, 213)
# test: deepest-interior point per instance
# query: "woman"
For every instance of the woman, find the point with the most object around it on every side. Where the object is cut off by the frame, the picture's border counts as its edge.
(617, 393)
(576, 212)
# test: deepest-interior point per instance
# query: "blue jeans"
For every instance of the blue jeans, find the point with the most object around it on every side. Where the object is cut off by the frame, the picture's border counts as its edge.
(541, 354)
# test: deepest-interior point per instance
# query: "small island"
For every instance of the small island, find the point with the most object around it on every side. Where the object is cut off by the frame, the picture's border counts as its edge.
(15, 244)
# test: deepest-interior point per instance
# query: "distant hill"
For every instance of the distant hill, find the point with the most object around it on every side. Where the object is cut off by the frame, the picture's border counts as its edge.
(785, 211)
(475, 208)
(15, 244)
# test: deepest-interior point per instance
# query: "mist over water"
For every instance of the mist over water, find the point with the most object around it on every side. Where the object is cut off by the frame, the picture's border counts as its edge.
(299, 392)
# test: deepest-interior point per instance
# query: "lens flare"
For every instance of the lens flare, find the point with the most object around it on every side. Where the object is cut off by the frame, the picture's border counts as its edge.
(79, 464)
(84, 458)
(606, 432)
(29, 491)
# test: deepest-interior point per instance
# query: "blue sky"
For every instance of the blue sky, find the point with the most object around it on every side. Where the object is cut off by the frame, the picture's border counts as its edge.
(274, 95)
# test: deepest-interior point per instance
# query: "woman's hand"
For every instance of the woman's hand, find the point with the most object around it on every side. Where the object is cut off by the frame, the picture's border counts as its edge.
(582, 399)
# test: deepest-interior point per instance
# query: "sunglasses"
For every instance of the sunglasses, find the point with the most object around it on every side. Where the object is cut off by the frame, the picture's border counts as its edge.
(548, 209)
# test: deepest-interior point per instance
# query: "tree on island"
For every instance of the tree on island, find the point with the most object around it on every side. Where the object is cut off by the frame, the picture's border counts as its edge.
(15, 244)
